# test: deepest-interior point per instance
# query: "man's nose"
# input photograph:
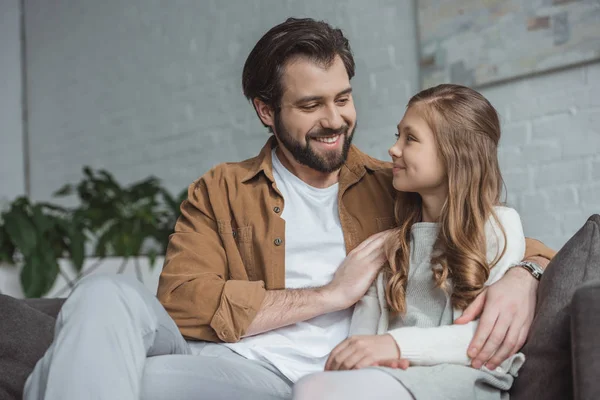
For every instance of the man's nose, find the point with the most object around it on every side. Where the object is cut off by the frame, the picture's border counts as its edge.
(332, 119)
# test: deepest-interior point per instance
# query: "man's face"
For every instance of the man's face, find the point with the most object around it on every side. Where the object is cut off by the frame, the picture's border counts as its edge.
(317, 118)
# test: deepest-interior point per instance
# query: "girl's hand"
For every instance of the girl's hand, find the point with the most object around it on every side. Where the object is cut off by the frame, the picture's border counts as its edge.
(362, 351)
(397, 363)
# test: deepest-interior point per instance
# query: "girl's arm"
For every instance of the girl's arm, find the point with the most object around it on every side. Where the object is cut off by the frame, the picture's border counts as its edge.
(367, 311)
(449, 344)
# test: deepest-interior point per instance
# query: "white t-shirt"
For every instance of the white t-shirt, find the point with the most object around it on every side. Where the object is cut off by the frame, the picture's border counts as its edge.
(314, 249)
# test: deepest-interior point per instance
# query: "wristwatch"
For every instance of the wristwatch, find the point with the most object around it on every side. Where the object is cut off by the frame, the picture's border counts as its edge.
(535, 270)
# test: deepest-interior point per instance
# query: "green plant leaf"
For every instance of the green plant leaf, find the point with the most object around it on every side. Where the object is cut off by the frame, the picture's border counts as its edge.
(7, 248)
(41, 221)
(77, 247)
(66, 190)
(152, 254)
(54, 207)
(102, 248)
(20, 228)
(38, 274)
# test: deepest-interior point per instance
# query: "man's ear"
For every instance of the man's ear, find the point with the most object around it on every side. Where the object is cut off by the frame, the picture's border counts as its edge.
(264, 112)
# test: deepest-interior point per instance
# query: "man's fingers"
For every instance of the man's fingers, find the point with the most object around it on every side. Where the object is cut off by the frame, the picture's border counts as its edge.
(493, 342)
(374, 247)
(521, 340)
(486, 325)
(370, 239)
(505, 350)
(473, 310)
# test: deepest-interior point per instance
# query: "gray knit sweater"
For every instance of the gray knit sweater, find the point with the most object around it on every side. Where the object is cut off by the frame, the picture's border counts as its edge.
(426, 335)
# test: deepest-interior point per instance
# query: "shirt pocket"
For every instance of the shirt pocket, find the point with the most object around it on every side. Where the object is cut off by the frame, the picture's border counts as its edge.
(243, 239)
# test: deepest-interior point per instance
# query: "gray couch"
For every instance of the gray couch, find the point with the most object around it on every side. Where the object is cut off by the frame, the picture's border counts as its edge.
(563, 349)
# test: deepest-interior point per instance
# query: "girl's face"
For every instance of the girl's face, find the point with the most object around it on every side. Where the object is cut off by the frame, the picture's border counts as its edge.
(417, 164)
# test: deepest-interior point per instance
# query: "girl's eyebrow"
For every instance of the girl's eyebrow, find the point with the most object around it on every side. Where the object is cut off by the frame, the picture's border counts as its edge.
(406, 129)
(400, 128)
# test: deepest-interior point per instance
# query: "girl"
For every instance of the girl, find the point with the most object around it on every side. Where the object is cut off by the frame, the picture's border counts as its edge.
(453, 239)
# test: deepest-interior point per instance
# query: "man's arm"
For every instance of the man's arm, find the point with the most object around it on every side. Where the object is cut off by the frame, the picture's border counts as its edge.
(538, 252)
(350, 282)
(285, 307)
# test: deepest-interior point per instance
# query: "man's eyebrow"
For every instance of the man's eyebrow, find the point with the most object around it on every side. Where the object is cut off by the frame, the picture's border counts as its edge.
(345, 91)
(308, 99)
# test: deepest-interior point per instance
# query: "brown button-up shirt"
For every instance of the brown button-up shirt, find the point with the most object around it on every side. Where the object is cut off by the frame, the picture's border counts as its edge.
(228, 247)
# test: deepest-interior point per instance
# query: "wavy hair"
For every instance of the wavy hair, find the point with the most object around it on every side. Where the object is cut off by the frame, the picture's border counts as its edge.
(466, 128)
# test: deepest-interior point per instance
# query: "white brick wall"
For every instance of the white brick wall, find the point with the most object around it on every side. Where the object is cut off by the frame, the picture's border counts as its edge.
(144, 87)
(550, 151)
(12, 181)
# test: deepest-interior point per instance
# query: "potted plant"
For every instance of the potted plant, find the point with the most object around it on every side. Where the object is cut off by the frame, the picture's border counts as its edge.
(124, 223)
(36, 235)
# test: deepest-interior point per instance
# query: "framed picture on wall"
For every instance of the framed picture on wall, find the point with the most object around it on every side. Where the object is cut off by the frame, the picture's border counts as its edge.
(477, 43)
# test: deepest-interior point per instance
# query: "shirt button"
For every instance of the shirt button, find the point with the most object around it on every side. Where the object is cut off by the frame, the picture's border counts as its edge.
(277, 209)
(277, 242)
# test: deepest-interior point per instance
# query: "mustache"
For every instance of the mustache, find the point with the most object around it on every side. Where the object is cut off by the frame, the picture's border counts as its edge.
(329, 132)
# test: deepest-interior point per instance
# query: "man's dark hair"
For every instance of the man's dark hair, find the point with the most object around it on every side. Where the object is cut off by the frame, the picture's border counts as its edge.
(316, 40)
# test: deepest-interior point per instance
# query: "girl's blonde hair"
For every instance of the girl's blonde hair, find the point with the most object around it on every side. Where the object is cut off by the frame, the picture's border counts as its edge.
(467, 131)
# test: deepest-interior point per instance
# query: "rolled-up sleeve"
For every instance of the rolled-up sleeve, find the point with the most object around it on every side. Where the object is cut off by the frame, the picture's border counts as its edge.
(194, 287)
(535, 248)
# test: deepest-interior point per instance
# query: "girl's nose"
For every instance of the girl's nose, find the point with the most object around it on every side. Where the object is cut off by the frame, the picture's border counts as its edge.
(395, 151)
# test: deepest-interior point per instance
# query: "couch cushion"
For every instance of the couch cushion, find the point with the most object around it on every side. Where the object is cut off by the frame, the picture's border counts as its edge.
(547, 372)
(25, 334)
(585, 326)
(47, 306)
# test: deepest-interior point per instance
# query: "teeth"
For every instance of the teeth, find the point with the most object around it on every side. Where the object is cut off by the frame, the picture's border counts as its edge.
(327, 140)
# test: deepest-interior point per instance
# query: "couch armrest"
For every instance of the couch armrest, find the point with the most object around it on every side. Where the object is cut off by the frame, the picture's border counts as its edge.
(585, 341)
(47, 306)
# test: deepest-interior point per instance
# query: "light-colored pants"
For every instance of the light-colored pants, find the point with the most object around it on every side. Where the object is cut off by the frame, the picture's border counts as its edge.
(114, 340)
(362, 384)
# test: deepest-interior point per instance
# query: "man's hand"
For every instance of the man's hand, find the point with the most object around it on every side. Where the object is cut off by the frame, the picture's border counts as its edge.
(358, 271)
(507, 309)
(350, 282)
(362, 351)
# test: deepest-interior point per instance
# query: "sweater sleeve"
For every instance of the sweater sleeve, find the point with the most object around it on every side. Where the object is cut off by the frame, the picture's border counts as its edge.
(449, 343)
(366, 313)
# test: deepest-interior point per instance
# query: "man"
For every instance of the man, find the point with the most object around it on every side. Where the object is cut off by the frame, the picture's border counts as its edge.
(267, 259)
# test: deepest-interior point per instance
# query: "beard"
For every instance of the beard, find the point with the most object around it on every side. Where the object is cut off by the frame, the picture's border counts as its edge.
(328, 162)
